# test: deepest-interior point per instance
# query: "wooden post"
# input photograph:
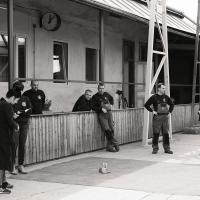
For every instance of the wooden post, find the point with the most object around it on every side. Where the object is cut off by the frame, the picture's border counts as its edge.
(166, 64)
(151, 80)
(101, 46)
(149, 70)
(10, 43)
(196, 64)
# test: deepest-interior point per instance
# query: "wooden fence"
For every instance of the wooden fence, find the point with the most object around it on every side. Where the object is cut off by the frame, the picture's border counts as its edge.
(58, 135)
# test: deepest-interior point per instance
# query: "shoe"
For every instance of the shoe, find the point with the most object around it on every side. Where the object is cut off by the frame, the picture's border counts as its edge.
(22, 170)
(169, 151)
(14, 171)
(111, 150)
(155, 151)
(7, 185)
(117, 148)
(4, 191)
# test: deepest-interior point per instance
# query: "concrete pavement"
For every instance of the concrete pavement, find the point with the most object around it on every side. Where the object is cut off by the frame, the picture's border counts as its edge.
(136, 174)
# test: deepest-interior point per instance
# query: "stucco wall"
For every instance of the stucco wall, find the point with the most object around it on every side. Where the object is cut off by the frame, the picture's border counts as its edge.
(80, 30)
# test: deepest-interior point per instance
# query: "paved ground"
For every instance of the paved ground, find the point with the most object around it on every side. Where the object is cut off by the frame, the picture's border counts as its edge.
(136, 174)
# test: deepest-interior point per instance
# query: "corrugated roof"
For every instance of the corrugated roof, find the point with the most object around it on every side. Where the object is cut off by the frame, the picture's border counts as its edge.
(136, 9)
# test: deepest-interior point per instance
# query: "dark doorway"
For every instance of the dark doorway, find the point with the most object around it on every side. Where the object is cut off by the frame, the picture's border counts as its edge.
(129, 71)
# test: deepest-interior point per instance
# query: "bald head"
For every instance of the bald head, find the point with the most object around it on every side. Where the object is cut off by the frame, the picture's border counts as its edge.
(34, 85)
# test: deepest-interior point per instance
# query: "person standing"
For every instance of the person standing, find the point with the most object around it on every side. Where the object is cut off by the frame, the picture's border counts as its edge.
(102, 103)
(36, 97)
(23, 108)
(162, 106)
(84, 102)
(7, 127)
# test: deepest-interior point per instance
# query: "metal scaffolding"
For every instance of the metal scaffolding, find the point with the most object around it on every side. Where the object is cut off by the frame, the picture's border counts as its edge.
(150, 77)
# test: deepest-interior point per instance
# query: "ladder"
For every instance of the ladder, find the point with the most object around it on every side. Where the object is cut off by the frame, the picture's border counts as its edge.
(196, 68)
(150, 80)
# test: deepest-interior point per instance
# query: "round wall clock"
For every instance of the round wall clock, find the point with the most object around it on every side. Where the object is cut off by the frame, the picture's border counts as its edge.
(50, 21)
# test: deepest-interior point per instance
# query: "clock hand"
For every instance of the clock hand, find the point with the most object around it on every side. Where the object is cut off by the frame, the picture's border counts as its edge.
(51, 18)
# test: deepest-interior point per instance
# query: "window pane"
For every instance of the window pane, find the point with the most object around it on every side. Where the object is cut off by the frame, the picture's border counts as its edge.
(60, 60)
(143, 52)
(3, 58)
(21, 42)
(91, 64)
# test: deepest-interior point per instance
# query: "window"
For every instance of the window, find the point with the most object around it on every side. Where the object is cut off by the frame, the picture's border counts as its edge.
(143, 52)
(21, 47)
(3, 58)
(21, 57)
(91, 64)
(60, 61)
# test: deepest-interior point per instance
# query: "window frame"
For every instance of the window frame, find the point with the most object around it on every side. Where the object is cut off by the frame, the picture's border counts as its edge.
(16, 54)
(97, 64)
(65, 63)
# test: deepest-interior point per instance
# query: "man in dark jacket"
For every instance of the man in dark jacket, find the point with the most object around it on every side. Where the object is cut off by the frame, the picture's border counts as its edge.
(37, 98)
(23, 108)
(84, 102)
(7, 125)
(162, 106)
(102, 103)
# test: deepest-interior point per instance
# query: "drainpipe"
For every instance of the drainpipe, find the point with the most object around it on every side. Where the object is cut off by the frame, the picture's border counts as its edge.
(10, 43)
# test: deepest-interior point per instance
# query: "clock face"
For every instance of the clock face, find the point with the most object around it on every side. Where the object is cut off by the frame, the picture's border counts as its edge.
(50, 21)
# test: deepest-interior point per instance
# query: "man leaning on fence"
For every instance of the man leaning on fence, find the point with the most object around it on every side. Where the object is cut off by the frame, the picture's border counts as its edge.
(84, 102)
(162, 106)
(102, 103)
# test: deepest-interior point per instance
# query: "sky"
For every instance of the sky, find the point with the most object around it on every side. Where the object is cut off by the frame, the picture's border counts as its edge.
(189, 7)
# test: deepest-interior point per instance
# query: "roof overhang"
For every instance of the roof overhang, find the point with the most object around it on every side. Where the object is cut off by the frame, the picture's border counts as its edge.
(137, 10)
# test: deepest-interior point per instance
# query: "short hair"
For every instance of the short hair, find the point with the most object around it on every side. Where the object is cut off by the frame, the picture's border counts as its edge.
(13, 93)
(17, 85)
(33, 81)
(160, 84)
(101, 84)
(88, 90)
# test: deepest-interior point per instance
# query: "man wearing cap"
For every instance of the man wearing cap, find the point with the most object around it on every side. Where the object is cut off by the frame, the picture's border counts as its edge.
(160, 105)
(23, 109)
(102, 103)
(37, 97)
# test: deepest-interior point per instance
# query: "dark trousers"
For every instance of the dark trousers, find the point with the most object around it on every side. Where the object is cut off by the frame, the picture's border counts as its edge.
(106, 122)
(2, 177)
(20, 142)
(161, 124)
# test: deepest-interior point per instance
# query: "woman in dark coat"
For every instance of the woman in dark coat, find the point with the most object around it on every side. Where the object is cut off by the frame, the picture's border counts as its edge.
(7, 125)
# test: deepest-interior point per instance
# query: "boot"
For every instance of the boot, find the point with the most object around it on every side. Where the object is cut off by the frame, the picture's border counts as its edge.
(22, 170)
(155, 151)
(168, 151)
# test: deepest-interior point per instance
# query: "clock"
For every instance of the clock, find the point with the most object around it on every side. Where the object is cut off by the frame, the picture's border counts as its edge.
(50, 21)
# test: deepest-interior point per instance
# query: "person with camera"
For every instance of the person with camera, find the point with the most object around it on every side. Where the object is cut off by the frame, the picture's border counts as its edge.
(102, 103)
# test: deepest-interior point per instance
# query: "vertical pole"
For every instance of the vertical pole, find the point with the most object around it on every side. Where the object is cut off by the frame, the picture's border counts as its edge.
(101, 46)
(166, 64)
(149, 70)
(196, 64)
(10, 43)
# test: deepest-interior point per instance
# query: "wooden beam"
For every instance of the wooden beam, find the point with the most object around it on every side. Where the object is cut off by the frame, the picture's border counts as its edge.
(196, 60)
(149, 70)
(101, 46)
(10, 43)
